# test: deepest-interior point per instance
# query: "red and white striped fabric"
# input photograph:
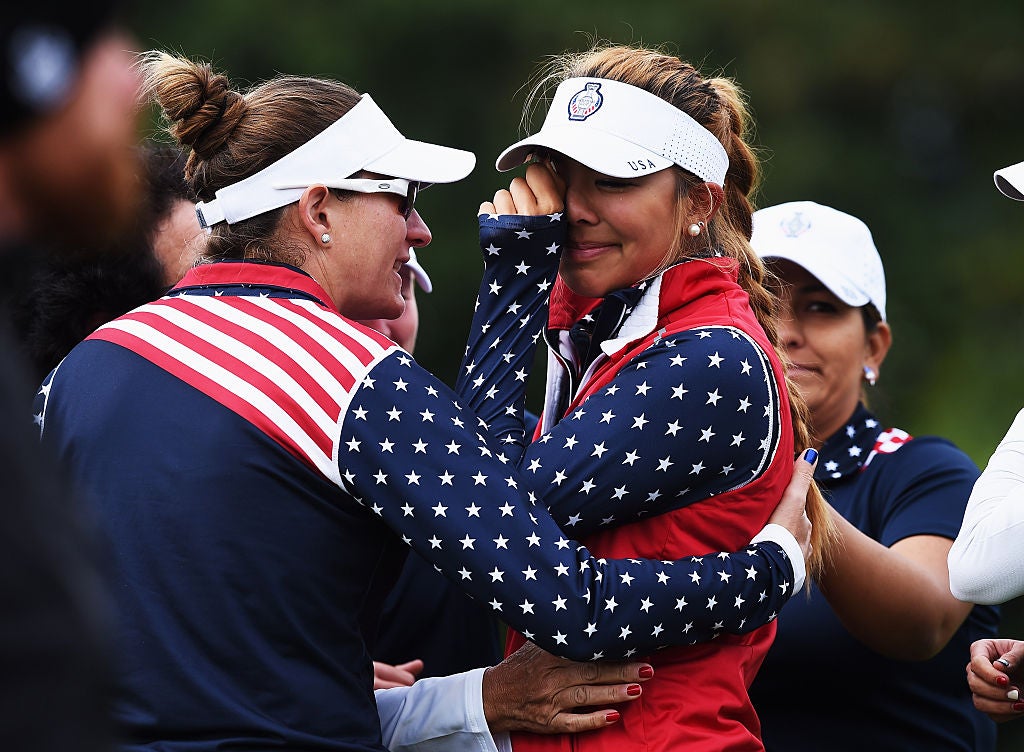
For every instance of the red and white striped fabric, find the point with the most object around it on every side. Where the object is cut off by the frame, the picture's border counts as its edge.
(287, 366)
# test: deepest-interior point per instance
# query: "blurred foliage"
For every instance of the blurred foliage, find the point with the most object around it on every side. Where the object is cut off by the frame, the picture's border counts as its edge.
(895, 112)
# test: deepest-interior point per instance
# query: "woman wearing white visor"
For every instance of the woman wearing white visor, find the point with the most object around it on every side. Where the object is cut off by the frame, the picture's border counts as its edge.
(985, 565)
(667, 428)
(256, 461)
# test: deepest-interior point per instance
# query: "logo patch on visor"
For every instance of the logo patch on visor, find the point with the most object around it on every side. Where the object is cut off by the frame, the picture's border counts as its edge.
(586, 101)
(795, 226)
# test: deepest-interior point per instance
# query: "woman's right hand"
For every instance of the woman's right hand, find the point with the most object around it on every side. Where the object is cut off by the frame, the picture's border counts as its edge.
(540, 192)
(994, 676)
(791, 511)
(386, 676)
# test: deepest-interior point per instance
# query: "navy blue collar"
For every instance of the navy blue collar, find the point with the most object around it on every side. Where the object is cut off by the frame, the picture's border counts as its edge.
(603, 323)
(846, 451)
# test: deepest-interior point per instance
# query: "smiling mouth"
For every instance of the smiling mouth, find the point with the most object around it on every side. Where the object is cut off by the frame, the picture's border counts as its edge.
(795, 369)
(581, 251)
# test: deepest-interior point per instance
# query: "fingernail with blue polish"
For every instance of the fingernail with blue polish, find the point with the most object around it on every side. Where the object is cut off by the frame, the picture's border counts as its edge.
(811, 456)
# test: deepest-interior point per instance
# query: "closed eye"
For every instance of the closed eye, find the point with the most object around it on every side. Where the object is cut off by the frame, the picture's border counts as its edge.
(821, 306)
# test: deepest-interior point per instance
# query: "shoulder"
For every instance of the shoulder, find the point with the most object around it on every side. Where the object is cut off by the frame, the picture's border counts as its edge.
(716, 344)
(917, 456)
(725, 355)
(923, 485)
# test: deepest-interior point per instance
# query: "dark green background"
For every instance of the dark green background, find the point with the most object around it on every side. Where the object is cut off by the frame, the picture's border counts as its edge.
(895, 112)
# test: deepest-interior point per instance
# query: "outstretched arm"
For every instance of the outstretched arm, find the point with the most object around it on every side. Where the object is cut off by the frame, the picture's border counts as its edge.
(429, 469)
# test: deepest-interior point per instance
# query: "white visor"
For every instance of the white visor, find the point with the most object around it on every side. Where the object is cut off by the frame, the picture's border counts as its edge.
(362, 139)
(1010, 181)
(418, 272)
(622, 131)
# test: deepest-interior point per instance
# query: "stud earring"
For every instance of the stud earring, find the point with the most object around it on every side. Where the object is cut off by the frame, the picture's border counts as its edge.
(695, 228)
(870, 375)
(325, 238)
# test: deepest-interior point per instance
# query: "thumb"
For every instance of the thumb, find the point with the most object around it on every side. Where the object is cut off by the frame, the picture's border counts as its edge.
(803, 473)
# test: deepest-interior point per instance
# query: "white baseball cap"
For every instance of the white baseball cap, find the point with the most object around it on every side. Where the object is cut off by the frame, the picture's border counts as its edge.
(833, 246)
(418, 271)
(361, 139)
(622, 131)
(1010, 181)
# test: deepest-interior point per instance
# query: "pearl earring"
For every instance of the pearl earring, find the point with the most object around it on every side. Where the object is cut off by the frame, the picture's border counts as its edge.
(325, 238)
(870, 375)
(694, 229)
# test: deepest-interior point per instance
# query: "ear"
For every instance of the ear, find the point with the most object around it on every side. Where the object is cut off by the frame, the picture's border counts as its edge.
(313, 214)
(705, 198)
(877, 346)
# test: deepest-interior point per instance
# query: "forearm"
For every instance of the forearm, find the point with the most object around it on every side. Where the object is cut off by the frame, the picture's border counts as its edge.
(891, 599)
(985, 565)
(520, 263)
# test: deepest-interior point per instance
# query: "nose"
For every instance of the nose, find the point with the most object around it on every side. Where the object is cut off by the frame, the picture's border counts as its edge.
(416, 231)
(577, 207)
(790, 332)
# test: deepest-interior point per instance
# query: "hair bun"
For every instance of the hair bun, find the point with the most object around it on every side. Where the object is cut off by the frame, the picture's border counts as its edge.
(202, 108)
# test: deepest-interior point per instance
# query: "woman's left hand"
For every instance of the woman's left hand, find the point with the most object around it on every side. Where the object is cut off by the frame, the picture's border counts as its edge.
(540, 192)
(532, 690)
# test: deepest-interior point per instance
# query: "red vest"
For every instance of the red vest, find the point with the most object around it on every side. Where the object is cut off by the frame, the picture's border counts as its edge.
(697, 700)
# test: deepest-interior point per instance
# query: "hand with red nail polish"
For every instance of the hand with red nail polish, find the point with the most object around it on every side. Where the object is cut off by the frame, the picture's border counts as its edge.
(995, 677)
(532, 690)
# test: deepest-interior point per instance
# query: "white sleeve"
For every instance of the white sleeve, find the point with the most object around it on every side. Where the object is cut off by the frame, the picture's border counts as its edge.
(782, 536)
(443, 713)
(986, 562)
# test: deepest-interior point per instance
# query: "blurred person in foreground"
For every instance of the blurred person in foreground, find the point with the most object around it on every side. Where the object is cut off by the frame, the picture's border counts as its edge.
(67, 127)
(72, 294)
(880, 622)
(986, 563)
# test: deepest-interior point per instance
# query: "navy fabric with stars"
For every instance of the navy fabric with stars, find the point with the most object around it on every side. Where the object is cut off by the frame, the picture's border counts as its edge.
(670, 430)
(249, 456)
(891, 486)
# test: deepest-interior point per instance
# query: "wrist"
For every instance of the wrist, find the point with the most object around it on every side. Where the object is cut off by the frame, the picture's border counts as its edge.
(494, 713)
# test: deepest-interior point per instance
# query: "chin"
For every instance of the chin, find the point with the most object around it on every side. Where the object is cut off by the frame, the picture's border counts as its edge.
(585, 284)
(590, 282)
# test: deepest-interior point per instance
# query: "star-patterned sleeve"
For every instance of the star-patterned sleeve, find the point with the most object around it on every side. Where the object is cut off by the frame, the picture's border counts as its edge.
(696, 415)
(412, 454)
(520, 262)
